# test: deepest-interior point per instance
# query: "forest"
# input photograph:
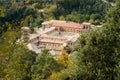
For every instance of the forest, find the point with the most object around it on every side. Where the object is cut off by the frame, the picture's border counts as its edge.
(96, 57)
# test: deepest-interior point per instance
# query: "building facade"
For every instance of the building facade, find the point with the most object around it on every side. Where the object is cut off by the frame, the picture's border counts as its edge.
(56, 34)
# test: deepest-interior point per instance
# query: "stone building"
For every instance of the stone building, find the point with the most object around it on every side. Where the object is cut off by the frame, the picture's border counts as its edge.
(25, 33)
(66, 26)
(56, 34)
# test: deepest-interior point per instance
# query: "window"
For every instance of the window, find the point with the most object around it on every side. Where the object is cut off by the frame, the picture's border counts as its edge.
(84, 27)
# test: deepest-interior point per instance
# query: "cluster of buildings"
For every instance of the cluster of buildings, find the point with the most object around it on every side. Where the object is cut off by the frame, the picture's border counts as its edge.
(54, 35)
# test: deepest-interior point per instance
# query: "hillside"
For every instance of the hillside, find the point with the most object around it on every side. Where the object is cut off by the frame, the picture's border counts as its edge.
(96, 56)
(32, 13)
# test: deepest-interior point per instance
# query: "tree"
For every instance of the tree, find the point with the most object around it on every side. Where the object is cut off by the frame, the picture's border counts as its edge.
(20, 64)
(63, 58)
(38, 21)
(15, 59)
(44, 65)
(61, 18)
(2, 14)
(99, 51)
(68, 67)
(94, 16)
(91, 21)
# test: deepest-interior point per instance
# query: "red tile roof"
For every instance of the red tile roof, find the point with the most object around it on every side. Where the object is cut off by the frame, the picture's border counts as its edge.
(59, 23)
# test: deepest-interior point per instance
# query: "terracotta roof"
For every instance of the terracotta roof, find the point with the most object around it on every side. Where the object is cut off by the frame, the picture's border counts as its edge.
(63, 23)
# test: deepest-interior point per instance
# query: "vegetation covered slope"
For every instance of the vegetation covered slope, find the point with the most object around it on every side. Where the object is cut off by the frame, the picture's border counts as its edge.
(98, 52)
(32, 12)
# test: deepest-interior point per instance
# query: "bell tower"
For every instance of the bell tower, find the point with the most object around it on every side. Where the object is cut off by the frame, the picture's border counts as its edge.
(25, 34)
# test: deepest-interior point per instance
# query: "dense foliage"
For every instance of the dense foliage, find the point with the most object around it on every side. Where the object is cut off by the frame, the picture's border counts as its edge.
(32, 12)
(44, 65)
(97, 56)
(99, 51)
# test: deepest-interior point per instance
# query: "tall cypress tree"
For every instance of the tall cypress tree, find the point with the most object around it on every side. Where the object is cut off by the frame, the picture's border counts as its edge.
(99, 51)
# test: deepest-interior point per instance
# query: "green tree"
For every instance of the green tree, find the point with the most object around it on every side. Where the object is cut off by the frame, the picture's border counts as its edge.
(61, 18)
(2, 14)
(63, 58)
(67, 68)
(94, 16)
(15, 58)
(99, 51)
(44, 65)
(19, 67)
(38, 22)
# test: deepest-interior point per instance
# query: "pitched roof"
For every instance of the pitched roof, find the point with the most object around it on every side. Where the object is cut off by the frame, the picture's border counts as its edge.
(58, 23)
